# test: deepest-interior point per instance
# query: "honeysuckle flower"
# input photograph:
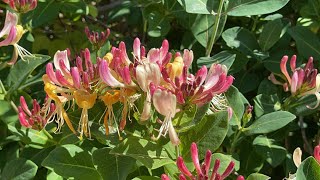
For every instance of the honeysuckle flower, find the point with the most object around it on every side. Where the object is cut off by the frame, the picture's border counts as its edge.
(72, 83)
(22, 6)
(145, 74)
(202, 171)
(97, 39)
(37, 117)
(12, 32)
(165, 104)
(316, 153)
(301, 81)
(201, 88)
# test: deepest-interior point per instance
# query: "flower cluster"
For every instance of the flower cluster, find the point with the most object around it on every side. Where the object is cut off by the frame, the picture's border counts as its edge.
(202, 171)
(161, 80)
(301, 81)
(12, 31)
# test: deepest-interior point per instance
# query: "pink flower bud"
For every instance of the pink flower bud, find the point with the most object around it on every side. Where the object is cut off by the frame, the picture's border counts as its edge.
(228, 170)
(24, 105)
(195, 158)
(240, 178)
(183, 168)
(316, 153)
(164, 177)
(283, 68)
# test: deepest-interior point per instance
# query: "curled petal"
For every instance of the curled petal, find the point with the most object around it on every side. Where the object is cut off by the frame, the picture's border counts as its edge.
(10, 21)
(283, 67)
(61, 55)
(297, 156)
(107, 77)
(147, 73)
(165, 103)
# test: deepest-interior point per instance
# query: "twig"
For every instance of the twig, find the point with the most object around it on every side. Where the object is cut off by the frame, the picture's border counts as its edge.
(307, 146)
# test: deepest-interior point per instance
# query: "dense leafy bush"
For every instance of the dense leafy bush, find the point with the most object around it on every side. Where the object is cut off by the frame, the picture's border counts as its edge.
(160, 89)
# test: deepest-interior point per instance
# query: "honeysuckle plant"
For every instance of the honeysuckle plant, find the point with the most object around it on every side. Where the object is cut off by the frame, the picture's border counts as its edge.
(159, 90)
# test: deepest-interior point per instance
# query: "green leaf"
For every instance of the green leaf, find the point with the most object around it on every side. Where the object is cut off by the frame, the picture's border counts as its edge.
(258, 176)
(307, 43)
(34, 138)
(149, 153)
(111, 166)
(158, 24)
(187, 119)
(264, 104)
(71, 161)
(22, 69)
(301, 106)
(208, 134)
(225, 57)
(45, 12)
(241, 39)
(309, 169)
(19, 169)
(200, 6)
(202, 28)
(254, 7)
(270, 34)
(272, 153)
(269, 122)
(235, 101)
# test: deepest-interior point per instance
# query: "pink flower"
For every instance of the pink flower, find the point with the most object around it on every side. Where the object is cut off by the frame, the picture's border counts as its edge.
(13, 33)
(199, 89)
(301, 81)
(203, 170)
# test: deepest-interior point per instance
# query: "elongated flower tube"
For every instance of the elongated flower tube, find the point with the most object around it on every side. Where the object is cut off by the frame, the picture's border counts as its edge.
(202, 171)
(145, 74)
(165, 104)
(12, 32)
(300, 81)
(85, 101)
(37, 117)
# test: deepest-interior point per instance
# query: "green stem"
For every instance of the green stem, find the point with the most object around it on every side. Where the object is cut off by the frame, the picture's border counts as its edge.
(235, 141)
(215, 29)
(180, 117)
(2, 87)
(47, 133)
